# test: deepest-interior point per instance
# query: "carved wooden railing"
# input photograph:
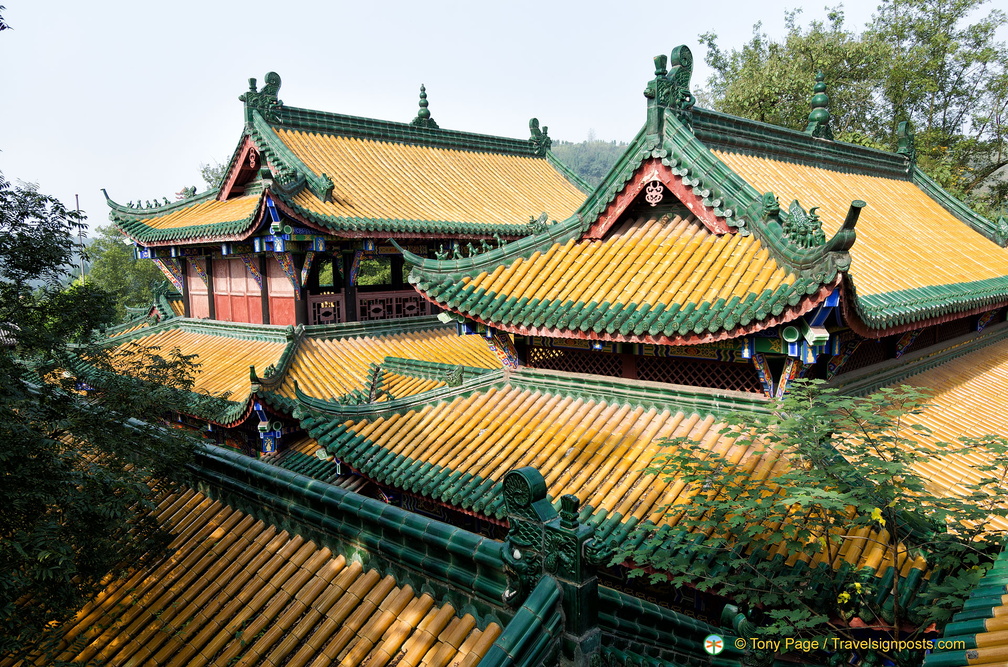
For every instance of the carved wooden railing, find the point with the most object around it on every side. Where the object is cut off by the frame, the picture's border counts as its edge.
(326, 309)
(390, 305)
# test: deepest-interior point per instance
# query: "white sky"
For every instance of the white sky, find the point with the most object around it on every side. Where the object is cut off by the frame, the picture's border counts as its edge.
(132, 96)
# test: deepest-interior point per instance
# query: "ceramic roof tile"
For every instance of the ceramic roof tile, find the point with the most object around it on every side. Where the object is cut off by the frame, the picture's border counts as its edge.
(223, 360)
(203, 219)
(395, 181)
(457, 452)
(649, 278)
(330, 368)
(978, 634)
(905, 239)
(237, 591)
(967, 400)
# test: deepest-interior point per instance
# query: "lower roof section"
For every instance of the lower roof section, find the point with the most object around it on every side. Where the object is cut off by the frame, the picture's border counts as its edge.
(654, 280)
(978, 634)
(235, 590)
(589, 438)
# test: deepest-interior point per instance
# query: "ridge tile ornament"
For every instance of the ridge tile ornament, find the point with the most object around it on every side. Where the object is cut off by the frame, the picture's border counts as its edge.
(540, 140)
(423, 117)
(670, 88)
(804, 229)
(542, 542)
(264, 100)
(818, 121)
(905, 147)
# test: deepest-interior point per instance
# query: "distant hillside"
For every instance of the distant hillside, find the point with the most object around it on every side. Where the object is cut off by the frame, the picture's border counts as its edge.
(592, 159)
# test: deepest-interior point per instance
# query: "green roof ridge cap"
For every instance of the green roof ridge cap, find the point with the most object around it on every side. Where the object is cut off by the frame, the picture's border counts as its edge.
(359, 127)
(524, 247)
(736, 134)
(614, 181)
(320, 184)
(428, 370)
(398, 405)
(343, 330)
(274, 333)
(156, 211)
(656, 395)
(294, 338)
(995, 231)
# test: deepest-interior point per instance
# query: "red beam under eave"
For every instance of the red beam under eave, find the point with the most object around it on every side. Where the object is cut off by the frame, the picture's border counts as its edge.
(859, 327)
(653, 170)
(805, 305)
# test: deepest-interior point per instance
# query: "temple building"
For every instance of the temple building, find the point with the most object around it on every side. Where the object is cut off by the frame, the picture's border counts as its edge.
(528, 343)
(298, 230)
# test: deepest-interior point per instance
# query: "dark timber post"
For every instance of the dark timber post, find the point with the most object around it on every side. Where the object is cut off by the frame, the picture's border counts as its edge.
(264, 293)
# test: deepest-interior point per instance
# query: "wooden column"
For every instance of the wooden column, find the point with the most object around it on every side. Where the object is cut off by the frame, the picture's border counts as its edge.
(264, 293)
(301, 302)
(397, 272)
(186, 309)
(210, 288)
(349, 289)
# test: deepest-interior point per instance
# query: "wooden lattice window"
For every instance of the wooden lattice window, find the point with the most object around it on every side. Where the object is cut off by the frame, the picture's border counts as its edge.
(955, 328)
(575, 361)
(869, 352)
(925, 339)
(699, 373)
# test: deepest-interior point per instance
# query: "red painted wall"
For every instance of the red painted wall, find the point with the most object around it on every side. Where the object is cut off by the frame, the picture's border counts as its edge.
(199, 303)
(281, 294)
(236, 294)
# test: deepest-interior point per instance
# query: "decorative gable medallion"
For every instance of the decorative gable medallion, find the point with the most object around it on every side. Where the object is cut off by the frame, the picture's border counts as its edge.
(656, 181)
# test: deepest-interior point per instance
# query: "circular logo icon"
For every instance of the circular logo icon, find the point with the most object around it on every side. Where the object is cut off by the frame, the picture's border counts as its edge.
(713, 644)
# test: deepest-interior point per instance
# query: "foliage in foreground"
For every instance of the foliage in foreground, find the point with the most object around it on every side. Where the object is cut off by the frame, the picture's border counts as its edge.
(822, 475)
(114, 269)
(76, 471)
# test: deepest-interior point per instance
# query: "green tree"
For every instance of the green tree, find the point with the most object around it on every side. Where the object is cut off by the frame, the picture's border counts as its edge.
(949, 77)
(823, 473)
(213, 174)
(74, 468)
(771, 81)
(590, 159)
(931, 62)
(129, 280)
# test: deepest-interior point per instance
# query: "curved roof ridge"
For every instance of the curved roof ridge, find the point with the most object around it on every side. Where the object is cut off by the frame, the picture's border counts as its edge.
(161, 209)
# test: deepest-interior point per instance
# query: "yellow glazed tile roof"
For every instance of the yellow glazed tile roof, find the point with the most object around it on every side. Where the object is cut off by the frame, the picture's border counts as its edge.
(650, 279)
(380, 180)
(238, 591)
(643, 261)
(593, 449)
(328, 368)
(223, 361)
(206, 213)
(905, 239)
(969, 398)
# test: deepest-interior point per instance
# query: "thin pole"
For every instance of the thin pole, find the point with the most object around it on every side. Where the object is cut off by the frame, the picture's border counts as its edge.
(81, 236)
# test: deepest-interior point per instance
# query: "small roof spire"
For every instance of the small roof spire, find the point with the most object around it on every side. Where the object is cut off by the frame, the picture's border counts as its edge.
(818, 120)
(423, 118)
